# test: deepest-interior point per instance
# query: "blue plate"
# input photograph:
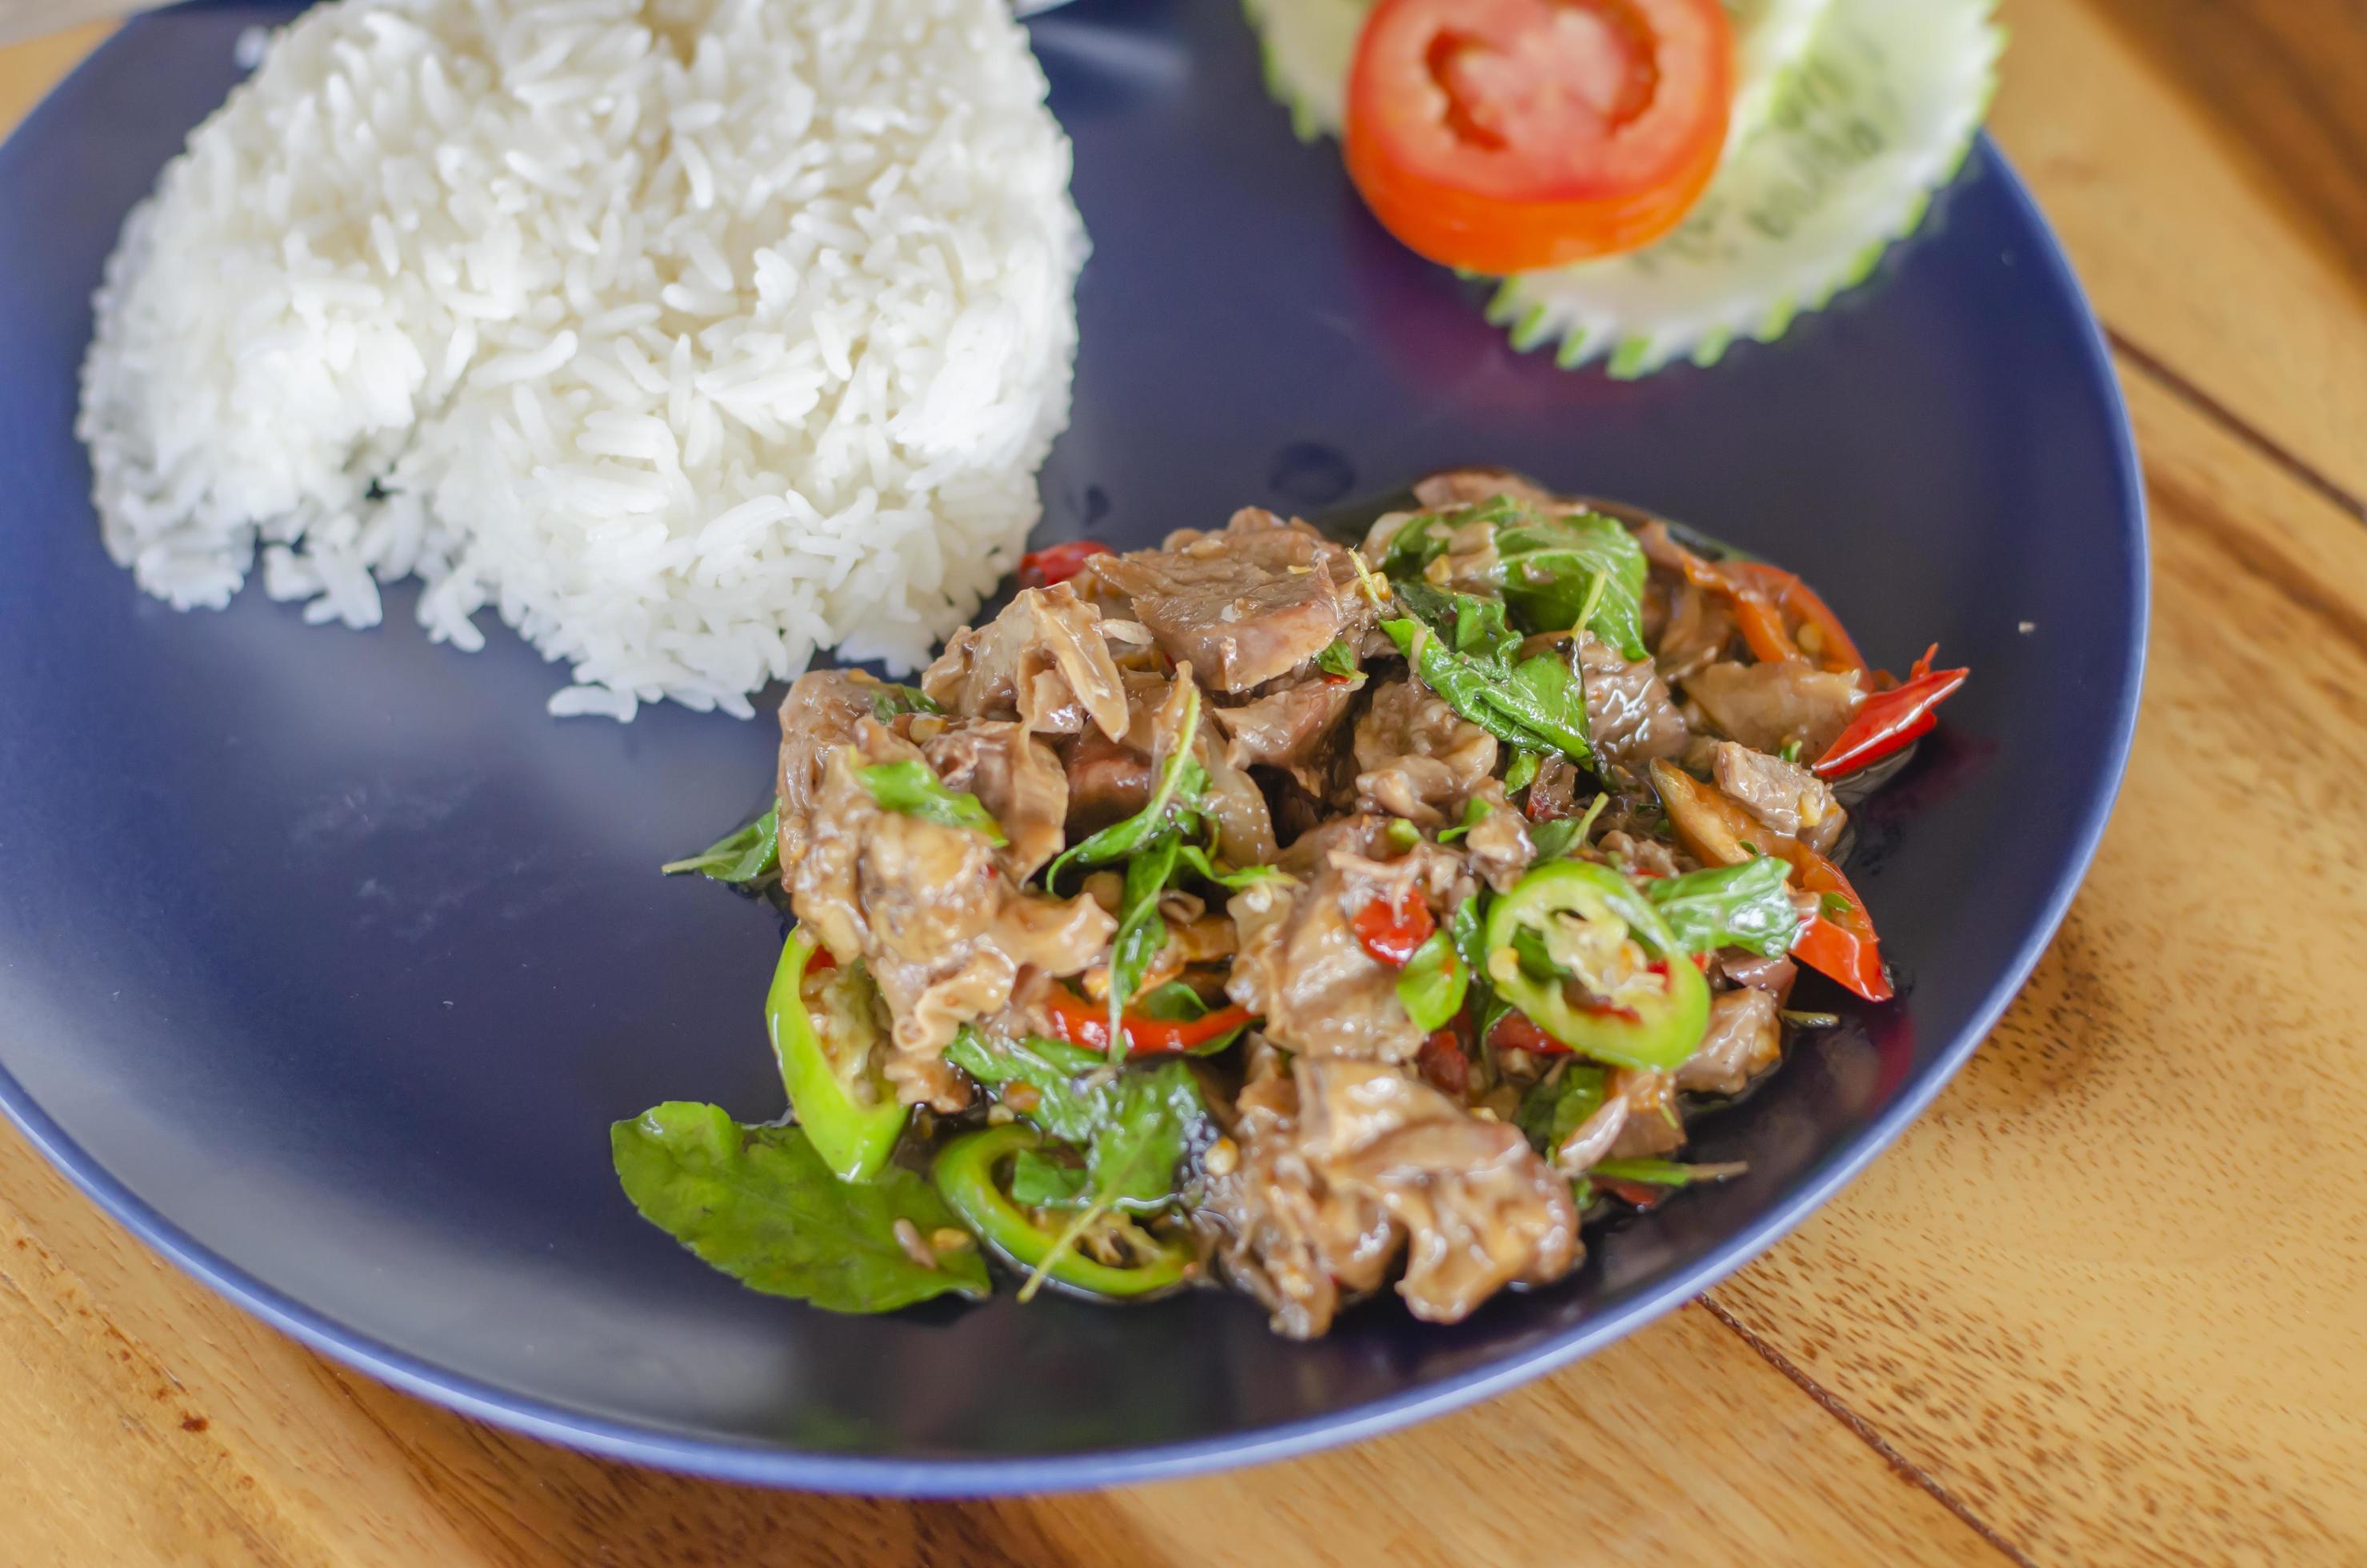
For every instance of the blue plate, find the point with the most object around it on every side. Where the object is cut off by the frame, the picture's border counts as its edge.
(327, 959)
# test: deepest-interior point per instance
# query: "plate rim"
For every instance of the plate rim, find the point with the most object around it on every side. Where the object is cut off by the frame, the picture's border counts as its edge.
(687, 1453)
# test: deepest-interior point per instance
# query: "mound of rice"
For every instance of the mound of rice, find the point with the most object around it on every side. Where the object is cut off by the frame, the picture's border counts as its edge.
(688, 335)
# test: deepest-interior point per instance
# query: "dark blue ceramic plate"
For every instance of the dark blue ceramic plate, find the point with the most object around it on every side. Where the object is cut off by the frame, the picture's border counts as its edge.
(327, 959)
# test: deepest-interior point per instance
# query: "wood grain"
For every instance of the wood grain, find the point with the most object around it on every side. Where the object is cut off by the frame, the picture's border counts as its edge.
(2107, 1292)
(2188, 248)
(2098, 1306)
(159, 1422)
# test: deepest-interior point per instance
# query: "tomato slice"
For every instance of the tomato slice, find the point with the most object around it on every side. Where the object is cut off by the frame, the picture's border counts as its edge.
(1505, 135)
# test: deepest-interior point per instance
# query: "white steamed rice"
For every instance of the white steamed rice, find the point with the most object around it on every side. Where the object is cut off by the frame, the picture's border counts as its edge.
(688, 336)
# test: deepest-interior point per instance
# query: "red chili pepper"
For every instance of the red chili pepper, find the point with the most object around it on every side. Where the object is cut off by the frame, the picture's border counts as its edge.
(1840, 942)
(1641, 1194)
(1513, 1031)
(1391, 932)
(821, 959)
(1833, 648)
(1058, 562)
(1442, 1063)
(1888, 719)
(1081, 1022)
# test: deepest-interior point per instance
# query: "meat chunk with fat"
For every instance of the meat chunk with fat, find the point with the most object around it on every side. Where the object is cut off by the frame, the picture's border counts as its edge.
(945, 929)
(1110, 779)
(1767, 707)
(1345, 1164)
(1244, 605)
(1045, 660)
(1785, 796)
(1745, 1039)
(1016, 777)
(1416, 757)
(1629, 715)
(1290, 728)
(1300, 966)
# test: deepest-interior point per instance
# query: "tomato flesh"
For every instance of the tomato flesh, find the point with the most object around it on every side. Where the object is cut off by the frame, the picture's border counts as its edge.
(1501, 136)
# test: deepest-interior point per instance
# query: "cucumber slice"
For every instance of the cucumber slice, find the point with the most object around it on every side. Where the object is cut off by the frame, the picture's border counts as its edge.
(1770, 38)
(1308, 45)
(1875, 116)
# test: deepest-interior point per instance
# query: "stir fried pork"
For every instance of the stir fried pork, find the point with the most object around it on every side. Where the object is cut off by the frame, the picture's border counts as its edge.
(945, 928)
(1768, 707)
(1788, 798)
(1628, 714)
(1044, 661)
(1243, 605)
(1345, 1164)
(1371, 1131)
(1301, 967)
(1418, 759)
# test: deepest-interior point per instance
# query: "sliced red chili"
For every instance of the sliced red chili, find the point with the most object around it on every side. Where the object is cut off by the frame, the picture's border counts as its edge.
(1840, 942)
(1819, 636)
(1641, 1194)
(1083, 1023)
(1058, 562)
(1887, 720)
(1515, 1032)
(1391, 932)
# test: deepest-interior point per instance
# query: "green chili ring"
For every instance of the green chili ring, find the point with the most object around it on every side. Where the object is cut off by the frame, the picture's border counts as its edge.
(969, 1173)
(855, 1134)
(1658, 1034)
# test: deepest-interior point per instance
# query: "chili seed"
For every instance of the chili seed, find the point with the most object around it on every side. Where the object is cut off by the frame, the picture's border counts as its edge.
(1223, 1158)
(908, 1236)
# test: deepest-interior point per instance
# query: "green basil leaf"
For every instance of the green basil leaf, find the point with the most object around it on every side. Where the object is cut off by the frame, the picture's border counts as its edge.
(1467, 928)
(1039, 1182)
(1182, 783)
(1538, 705)
(758, 1203)
(1133, 1122)
(1554, 566)
(1432, 984)
(1197, 860)
(889, 699)
(1522, 771)
(1664, 1172)
(1558, 1105)
(1748, 905)
(1475, 811)
(912, 788)
(1141, 932)
(751, 854)
(1554, 838)
(1339, 659)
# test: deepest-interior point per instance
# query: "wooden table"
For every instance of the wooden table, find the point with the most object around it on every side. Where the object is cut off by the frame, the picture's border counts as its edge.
(2105, 1301)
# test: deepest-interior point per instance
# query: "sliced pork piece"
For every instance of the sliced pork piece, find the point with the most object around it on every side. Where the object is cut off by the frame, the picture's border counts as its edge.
(1699, 633)
(1301, 967)
(1498, 843)
(1417, 758)
(1290, 728)
(1745, 1039)
(1786, 797)
(1243, 605)
(1629, 716)
(1346, 1163)
(1767, 707)
(818, 718)
(1016, 777)
(1113, 778)
(941, 923)
(1045, 660)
